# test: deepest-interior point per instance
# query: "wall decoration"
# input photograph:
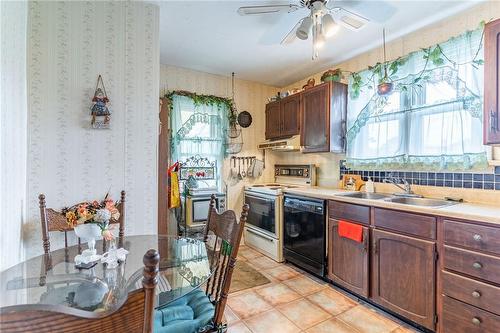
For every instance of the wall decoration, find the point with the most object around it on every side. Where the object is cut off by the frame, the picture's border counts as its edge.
(245, 119)
(310, 84)
(101, 115)
(334, 75)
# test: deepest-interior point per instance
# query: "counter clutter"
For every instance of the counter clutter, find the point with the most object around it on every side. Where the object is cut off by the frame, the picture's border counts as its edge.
(469, 211)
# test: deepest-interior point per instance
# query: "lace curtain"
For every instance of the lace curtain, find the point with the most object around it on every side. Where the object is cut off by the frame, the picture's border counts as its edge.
(433, 118)
(198, 129)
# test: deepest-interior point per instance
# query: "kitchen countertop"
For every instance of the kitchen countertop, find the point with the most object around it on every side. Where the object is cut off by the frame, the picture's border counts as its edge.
(466, 211)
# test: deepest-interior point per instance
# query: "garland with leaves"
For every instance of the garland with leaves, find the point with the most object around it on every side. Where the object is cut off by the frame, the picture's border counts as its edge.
(208, 100)
(433, 54)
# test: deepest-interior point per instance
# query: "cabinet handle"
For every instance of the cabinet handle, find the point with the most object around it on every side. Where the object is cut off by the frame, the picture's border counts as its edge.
(476, 321)
(476, 294)
(366, 242)
(477, 265)
(494, 121)
(478, 238)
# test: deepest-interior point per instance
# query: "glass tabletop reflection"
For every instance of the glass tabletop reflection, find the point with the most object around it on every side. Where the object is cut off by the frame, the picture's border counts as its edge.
(53, 282)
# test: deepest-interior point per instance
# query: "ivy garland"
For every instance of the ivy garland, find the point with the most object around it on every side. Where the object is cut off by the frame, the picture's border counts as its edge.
(209, 100)
(433, 54)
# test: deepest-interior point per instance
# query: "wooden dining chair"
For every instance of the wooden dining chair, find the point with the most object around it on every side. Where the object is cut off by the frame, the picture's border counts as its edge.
(203, 310)
(134, 316)
(53, 220)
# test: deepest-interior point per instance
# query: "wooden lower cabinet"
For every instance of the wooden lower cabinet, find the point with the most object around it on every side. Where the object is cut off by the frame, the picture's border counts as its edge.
(403, 276)
(460, 317)
(348, 260)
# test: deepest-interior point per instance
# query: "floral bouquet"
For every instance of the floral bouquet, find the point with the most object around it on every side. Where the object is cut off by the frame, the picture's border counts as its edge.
(93, 212)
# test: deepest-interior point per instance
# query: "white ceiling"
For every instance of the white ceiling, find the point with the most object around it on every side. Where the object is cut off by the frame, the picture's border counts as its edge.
(210, 36)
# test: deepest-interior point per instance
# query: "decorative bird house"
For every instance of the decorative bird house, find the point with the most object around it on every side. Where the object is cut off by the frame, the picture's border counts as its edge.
(101, 115)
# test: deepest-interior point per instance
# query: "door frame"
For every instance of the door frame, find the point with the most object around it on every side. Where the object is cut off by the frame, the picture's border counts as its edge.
(163, 163)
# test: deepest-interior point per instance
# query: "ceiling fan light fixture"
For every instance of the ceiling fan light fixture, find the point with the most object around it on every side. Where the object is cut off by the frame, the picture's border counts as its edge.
(319, 42)
(329, 26)
(304, 28)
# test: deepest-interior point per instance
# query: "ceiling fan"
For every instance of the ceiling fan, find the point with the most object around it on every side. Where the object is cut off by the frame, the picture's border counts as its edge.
(324, 18)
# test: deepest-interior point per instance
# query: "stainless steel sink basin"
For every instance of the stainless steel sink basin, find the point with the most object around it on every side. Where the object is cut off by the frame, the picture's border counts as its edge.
(435, 203)
(364, 195)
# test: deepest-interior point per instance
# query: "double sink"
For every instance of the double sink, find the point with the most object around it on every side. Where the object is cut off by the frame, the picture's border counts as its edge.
(413, 201)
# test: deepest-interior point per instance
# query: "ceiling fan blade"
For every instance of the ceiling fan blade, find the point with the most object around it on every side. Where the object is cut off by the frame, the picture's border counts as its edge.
(291, 36)
(281, 27)
(376, 11)
(257, 10)
(349, 19)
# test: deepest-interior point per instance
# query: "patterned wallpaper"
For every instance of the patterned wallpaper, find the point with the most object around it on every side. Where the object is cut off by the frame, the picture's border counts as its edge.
(70, 44)
(13, 130)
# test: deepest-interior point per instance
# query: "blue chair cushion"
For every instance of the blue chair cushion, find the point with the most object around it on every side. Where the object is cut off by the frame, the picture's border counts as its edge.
(185, 315)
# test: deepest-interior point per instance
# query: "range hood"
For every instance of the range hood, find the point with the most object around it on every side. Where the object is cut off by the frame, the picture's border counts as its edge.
(288, 144)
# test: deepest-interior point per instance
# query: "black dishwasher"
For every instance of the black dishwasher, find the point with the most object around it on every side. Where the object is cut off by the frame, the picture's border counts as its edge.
(304, 233)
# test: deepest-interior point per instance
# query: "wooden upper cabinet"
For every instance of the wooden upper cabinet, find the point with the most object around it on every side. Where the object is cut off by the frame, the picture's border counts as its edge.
(348, 260)
(323, 110)
(273, 120)
(314, 132)
(290, 115)
(492, 83)
(403, 271)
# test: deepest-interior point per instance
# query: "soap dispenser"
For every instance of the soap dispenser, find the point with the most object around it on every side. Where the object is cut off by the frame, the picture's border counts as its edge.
(369, 186)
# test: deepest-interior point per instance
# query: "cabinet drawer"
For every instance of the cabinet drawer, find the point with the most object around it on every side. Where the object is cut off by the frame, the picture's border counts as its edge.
(473, 236)
(459, 317)
(482, 295)
(413, 224)
(347, 211)
(475, 264)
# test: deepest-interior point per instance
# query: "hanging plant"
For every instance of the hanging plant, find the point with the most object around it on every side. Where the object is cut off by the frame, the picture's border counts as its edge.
(209, 100)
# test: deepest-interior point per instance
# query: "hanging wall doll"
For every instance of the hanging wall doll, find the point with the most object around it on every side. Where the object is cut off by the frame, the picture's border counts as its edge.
(99, 110)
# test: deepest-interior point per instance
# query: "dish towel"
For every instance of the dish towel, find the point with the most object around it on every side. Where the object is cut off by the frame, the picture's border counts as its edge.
(351, 231)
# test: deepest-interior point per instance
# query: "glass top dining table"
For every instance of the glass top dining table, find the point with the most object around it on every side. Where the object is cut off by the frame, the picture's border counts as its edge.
(53, 282)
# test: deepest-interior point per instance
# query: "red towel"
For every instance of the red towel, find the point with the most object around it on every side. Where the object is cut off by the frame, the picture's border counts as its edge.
(351, 231)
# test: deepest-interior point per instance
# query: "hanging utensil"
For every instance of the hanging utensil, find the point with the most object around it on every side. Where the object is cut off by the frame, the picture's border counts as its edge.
(231, 171)
(251, 167)
(244, 172)
(258, 169)
(234, 175)
(240, 177)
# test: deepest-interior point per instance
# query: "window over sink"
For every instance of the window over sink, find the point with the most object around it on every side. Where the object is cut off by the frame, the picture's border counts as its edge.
(433, 118)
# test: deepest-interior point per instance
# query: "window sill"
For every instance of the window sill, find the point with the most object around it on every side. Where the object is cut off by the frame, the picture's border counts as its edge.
(494, 162)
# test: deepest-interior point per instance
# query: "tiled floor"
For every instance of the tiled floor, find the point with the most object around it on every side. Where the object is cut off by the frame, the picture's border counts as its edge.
(295, 301)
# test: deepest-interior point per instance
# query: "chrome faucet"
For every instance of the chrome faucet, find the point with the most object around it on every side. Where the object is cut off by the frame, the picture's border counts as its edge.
(402, 184)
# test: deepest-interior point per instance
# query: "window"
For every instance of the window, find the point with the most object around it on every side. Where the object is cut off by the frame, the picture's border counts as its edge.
(433, 118)
(198, 130)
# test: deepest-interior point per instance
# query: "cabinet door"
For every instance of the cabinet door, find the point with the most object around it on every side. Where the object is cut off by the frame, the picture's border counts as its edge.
(290, 115)
(491, 83)
(404, 276)
(315, 125)
(348, 260)
(273, 123)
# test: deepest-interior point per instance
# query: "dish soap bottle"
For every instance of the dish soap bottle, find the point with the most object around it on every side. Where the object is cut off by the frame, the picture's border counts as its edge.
(369, 186)
(350, 185)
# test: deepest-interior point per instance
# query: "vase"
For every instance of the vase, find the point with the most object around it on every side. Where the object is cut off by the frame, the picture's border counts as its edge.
(88, 232)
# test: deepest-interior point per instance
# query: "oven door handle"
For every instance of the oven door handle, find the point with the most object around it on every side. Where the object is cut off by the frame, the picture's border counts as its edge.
(267, 199)
(260, 235)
